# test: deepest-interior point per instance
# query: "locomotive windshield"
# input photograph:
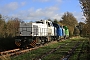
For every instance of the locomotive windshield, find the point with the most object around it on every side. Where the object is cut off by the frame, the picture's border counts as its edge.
(56, 25)
(50, 24)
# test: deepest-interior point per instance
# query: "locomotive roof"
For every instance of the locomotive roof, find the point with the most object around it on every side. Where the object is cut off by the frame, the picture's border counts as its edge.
(56, 25)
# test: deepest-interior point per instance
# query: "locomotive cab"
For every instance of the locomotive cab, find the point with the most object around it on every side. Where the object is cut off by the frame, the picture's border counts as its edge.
(66, 32)
(58, 31)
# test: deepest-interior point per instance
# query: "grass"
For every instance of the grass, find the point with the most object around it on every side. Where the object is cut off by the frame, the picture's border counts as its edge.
(82, 50)
(57, 55)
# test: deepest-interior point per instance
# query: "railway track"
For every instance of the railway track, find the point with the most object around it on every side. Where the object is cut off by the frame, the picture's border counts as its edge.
(78, 58)
(70, 52)
(18, 51)
(15, 52)
(9, 52)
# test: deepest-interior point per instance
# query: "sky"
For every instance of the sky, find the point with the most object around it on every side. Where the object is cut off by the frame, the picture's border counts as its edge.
(32, 10)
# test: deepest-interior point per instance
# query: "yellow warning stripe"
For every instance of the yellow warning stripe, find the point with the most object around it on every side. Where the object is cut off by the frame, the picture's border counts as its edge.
(33, 43)
(18, 43)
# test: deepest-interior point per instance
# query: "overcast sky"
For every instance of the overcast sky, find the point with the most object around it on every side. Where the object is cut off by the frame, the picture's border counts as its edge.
(28, 10)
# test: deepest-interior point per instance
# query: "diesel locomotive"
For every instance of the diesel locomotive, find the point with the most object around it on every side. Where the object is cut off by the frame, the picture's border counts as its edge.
(39, 32)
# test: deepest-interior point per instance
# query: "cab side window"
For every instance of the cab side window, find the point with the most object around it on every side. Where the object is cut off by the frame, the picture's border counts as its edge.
(48, 24)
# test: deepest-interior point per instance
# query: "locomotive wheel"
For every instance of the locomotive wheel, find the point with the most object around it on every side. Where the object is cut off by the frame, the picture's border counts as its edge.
(33, 43)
